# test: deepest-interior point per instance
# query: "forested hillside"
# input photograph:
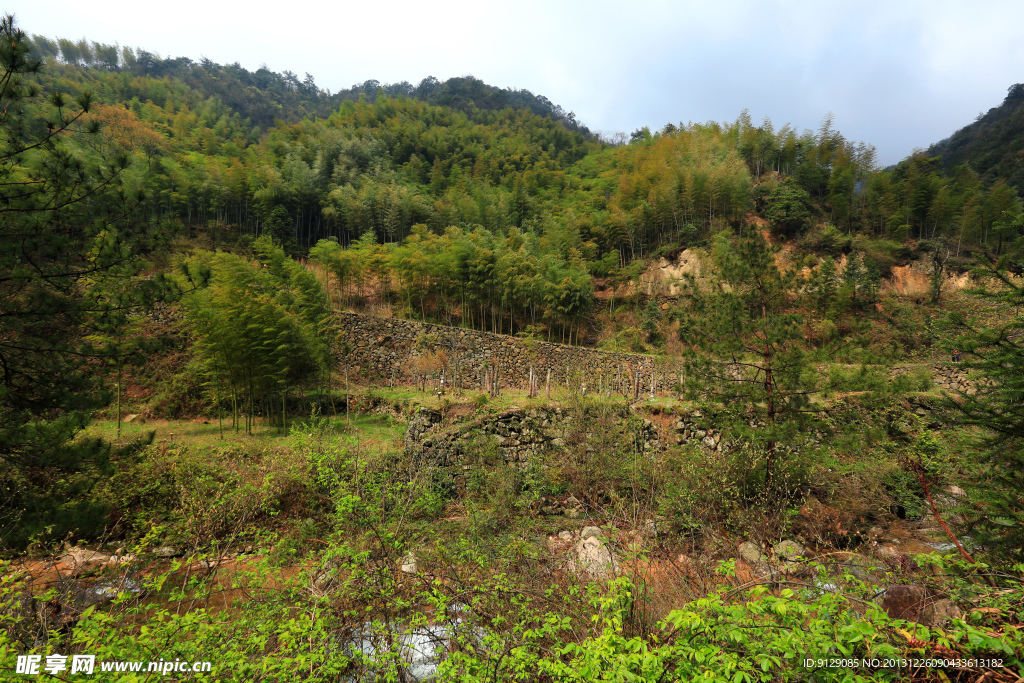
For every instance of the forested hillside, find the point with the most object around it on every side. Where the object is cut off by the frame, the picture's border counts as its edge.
(253, 151)
(993, 145)
(721, 401)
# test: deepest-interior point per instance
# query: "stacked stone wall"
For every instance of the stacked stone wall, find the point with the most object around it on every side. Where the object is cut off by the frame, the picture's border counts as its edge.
(518, 433)
(386, 350)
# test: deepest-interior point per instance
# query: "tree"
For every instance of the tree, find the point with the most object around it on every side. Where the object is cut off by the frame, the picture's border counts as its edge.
(822, 284)
(259, 331)
(788, 208)
(744, 348)
(993, 354)
(64, 237)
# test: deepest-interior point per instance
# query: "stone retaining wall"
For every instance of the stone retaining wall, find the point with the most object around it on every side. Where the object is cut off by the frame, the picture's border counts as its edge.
(387, 348)
(947, 376)
(518, 433)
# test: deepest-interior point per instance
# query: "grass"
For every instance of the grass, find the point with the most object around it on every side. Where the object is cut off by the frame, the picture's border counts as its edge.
(368, 430)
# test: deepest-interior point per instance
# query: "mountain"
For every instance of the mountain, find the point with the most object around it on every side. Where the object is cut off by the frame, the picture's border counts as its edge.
(993, 145)
(265, 96)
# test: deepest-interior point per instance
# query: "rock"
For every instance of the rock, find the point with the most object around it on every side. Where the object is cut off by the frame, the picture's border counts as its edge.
(956, 491)
(575, 513)
(905, 602)
(117, 560)
(595, 559)
(78, 558)
(134, 418)
(591, 532)
(565, 535)
(863, 568)
(751, 553)
(649, 528)
(408, 565)
(940, 611)
(875, 532)
(166, 551)
(790, 551)
(549, 510)
(887, 552)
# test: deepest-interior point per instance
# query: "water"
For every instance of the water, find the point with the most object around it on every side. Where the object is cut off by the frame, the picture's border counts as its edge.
(418, 651)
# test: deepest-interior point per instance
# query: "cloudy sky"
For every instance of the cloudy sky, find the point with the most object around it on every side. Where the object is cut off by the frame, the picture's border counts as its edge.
(899, 74)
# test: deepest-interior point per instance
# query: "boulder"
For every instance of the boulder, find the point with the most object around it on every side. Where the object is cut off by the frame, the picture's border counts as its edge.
(905, 602)
(940, 611)
(751, 553)
(408, 565)
(79, 558)
(591, 532)
(914, 603)
(790, 551)
(594, 558)
(166, 551)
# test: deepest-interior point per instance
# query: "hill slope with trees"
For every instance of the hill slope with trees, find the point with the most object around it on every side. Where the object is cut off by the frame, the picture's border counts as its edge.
(993, 145)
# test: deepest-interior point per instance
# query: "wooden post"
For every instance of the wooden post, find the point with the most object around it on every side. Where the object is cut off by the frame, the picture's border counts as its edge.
(652, 385)
(548, 386)
(529, 385)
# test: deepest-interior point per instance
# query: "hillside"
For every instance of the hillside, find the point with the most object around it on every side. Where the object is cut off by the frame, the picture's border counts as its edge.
(993, 145)
(429, 383)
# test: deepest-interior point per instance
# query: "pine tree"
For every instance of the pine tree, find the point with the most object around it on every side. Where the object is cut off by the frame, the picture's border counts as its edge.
(745, 351)
(993, 355)
(63, 239)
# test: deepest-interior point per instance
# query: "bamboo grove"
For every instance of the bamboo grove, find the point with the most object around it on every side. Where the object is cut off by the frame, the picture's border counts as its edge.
(479, 213)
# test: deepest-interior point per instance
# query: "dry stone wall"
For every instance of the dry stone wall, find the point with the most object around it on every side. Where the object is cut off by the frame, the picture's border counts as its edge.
(387, 348)
(518, 433)
(949, 376)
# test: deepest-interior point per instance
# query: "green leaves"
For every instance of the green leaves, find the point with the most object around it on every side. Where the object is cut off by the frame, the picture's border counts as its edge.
(746, 349)
(259, 330)
(993, 357)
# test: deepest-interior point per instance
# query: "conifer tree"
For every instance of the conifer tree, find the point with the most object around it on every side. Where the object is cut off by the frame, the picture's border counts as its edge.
(64, 239)
(993, 355)
(745, 350)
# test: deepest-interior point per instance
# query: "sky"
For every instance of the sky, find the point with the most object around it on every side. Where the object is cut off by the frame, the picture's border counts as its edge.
(899, 75)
